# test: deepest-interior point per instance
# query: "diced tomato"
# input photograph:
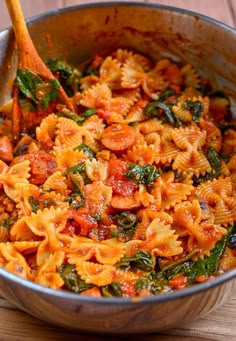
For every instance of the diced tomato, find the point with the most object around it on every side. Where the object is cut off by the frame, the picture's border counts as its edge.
(128, 288)
(6, 149)
(103, 113)
(179, 282)
(71, 228)
(203, 278)
(100, 233)
(118, 137)
(42, 166)
(85, 221)
(116, 179)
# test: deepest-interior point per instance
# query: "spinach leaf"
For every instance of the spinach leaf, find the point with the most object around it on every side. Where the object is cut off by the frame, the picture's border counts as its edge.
(47, 92)
(58, 65)
(77, 168)
(34, 203)
(196, 108)
(142, 174)
(164, 95)
(112, 290)
(69, 76)
(87, 150)
(81, 169)
(153, 282)
(26, 81)
(206, 266)
(72, 280)
(214, 161)
(141, 260)
(152, 109)
(34, 88)
(8, 222)
(126, 219)
(79, 119)
(126, 224)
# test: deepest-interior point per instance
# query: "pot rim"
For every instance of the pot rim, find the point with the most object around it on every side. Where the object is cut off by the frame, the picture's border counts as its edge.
(62, 294)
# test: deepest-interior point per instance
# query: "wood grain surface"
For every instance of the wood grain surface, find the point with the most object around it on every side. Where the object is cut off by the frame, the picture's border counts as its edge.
(218, 325)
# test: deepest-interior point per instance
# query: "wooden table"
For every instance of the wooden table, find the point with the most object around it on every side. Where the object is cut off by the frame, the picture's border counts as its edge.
(219, 325)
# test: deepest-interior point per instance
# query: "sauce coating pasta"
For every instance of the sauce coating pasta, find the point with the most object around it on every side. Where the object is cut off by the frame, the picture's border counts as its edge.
(132, 195)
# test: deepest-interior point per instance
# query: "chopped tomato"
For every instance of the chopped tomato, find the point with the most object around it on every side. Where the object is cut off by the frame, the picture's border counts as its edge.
(203, 278)
(85, 221)
(118, 137)
(42, 166)
(6, 149)
(116, 179)
(128, 288)
(71, 228)
(103, 113)
(179, 282)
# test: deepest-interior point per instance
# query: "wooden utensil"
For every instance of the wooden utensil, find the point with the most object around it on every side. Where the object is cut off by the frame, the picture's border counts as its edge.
(28, 58)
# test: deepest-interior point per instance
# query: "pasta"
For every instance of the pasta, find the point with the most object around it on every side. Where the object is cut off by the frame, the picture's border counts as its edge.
(134, 194)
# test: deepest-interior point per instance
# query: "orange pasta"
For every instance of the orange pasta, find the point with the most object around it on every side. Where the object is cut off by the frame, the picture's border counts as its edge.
(135, 194)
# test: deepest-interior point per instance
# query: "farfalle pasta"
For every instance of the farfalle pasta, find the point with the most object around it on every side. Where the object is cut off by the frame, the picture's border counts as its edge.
(134, 193)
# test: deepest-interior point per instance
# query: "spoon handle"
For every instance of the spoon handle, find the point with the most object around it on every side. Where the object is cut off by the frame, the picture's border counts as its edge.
(27, 55)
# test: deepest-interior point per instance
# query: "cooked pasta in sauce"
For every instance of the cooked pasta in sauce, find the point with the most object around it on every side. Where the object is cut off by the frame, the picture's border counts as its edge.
(132, 195)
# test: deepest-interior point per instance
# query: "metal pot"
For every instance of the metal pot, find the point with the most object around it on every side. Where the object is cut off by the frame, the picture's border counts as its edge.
(76, 34)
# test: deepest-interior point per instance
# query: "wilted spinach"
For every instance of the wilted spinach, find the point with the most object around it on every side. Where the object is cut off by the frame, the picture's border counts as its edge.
(126, 224)
(79, 119)
(72, 280)
(87, 150)
(69, 76)
(215, 162)
(111, 290)
(142, 174)
(35, 89)
(196, 108)
(142, 260)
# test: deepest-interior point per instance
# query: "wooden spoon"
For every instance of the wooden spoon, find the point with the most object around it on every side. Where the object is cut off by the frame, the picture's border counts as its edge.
(28, 58)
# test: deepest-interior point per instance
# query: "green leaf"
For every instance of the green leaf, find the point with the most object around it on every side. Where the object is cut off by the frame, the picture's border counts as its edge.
(111, 290)
(47, 92)
(79, 119)
(142, 174)
(141, 260)
(196, 107)
(8, 222)
(206, 266)
(214, 160)
(34, 88)
(34, 204)
(77, 168)
(26, 81)
(126, 224)
(69, 76)
(87, 150)
(153, 282)
(58, 65)
(72, 280)
(125, 219)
